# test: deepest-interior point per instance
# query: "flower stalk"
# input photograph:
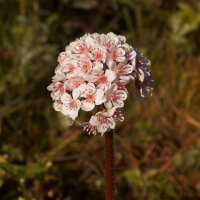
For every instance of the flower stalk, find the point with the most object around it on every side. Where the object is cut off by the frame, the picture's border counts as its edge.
(109, 153)
(94, 70)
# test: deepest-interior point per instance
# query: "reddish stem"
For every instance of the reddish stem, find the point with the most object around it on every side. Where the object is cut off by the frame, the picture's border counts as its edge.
(109, 165)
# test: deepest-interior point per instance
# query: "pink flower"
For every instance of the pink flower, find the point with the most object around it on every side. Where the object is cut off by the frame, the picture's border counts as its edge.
(96, 36)
(57, 105)
(67, 54)
(91, 95)
(103, 122)
(122, 39)
(78, 47)
(57, 87)
(123, 71)
(103, 80)
(109, 39)
(58, 90)
(129, 51)
(84, 63)
(67, 66)
(117, 54)
(115, 97)
(74, 82)
(98, 53)
(70, 105)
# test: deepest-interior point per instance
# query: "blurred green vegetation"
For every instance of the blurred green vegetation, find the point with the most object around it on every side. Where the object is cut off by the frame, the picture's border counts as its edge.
(157, 147)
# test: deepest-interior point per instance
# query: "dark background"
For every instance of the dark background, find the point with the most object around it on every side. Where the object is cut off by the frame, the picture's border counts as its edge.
(157, 154)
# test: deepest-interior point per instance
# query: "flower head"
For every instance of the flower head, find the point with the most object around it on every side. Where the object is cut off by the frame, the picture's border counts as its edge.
(92, 75)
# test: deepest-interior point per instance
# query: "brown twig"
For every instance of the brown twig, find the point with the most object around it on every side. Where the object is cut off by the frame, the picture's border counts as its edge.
(187, 117)
(109, 148)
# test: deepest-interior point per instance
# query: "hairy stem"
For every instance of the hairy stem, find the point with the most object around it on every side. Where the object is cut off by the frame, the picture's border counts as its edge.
(109, 148)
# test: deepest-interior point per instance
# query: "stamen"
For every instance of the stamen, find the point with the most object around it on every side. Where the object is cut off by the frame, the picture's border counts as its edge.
(71, 68)
(101, 118)
(73, 104)
(98, 56)
(113, 55)
(90, 96)
(82, 48)
(78, 83)
(101, 79)
(112, 97)
(118, 71)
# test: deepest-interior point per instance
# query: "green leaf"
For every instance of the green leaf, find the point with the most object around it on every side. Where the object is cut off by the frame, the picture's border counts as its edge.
(33, 170)
(84, 4)
(11, 169)
(133, 176)
(186, 10)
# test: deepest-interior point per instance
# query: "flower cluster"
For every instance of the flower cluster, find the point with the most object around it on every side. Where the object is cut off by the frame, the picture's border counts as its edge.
(94, 71)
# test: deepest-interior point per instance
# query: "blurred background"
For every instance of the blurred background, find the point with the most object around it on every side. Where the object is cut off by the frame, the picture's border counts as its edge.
(157, 147)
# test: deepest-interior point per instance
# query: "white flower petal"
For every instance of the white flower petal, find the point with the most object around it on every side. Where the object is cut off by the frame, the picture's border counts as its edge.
(99, 97)
(97, 65)
(133, 63)
(141, 75)
(125, 79)
(57, 106)
(110, 75)
(113, 87)
(87, 106)
(110, 63)
(82, 87)
(93, 121)
(122, 38)
(108, 104)
(75, 93)
(99, 101)
(129, 68)
(112, 123)
(65, 110)
(112, 111)
(102, 129)
(73, 114)
(132, 55)
(91, 85)
(89, 41)
(78, 103)
(122, 94)
(99, 94)
(120, 59)
(90, 55)
(118, 103)
(65, 98)
(50, 87)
